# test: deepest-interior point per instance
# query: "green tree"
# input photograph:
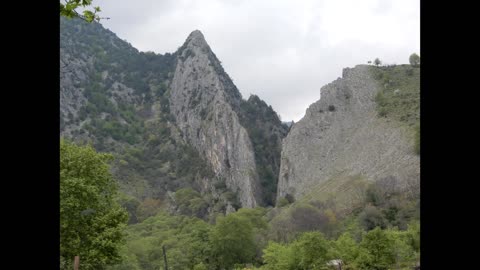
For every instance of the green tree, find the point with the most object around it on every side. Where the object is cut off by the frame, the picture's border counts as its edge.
(376, 251)
(232, 241)
(377, 62)
(69, 10)
(149, 207)
(312, 250)
(256, 218)
(279, 257)
(282, 202)
(404, 254)
(185, 240)
(414, 59)
(414, 235)
(190, 202)
(346, 249)
(200, 266)
(91, 221)
(309, 251)
(372, 217)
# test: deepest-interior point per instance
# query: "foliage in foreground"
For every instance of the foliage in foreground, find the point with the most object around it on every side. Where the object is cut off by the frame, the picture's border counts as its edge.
(69, 10)
(91, 222)
(379, 249)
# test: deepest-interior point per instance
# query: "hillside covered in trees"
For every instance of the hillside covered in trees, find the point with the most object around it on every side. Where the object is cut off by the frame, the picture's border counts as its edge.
(383, 233)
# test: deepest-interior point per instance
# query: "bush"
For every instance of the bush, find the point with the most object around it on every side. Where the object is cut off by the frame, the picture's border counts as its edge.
(282, 202)
(371, 218)
(305, 217)
(290, 198)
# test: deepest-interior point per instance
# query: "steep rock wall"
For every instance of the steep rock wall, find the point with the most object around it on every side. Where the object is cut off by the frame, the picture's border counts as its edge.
(203, 104)
(341, 135)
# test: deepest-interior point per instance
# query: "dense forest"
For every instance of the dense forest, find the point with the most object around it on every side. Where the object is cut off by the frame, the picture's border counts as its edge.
(382, 233)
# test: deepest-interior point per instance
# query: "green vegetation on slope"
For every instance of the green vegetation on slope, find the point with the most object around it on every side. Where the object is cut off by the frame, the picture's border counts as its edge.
(191, 242)
(127, 113)
(382, 233)
(266, 132)
(399, 96)
(134, 125)
(243, 240)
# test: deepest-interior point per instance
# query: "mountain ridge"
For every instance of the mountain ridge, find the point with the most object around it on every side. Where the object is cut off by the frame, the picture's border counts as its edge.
(134, 104)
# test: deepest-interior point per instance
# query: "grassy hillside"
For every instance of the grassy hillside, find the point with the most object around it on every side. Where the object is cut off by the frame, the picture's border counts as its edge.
(399, 96)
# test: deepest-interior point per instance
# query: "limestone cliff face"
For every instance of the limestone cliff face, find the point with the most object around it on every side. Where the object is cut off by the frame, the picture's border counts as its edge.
(158, 113)
(341, 135)
(204, 102)
(72, 74)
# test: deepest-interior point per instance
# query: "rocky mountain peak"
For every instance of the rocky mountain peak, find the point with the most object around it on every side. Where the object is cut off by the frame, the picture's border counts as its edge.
(205, 103)
(184, 102)
(196, 37)
(196, 43)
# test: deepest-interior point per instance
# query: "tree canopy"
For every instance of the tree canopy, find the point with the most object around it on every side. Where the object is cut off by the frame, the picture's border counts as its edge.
(91, 222)
(232, 241)
(414, 59)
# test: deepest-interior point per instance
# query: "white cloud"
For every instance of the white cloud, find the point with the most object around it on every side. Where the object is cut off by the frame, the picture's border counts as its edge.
(284, 51)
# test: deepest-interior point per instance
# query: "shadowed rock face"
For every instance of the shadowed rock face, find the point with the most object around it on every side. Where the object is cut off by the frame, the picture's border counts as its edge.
(341, 135)
(204, 101)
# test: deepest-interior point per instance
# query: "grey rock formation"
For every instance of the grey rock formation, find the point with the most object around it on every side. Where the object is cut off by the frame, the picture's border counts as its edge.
(340, 135)
(72, 75)
(203, 101)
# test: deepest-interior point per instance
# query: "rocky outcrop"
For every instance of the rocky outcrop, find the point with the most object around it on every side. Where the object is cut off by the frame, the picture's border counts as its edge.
(204, 102)
(72, 76)
(120, 99)
(341, 135)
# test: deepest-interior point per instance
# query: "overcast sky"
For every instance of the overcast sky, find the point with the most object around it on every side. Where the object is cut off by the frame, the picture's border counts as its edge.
(284, 51)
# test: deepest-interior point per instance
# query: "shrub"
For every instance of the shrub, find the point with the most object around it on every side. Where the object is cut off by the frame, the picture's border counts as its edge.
(282, 202)
(371, 217)
(290, 198)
